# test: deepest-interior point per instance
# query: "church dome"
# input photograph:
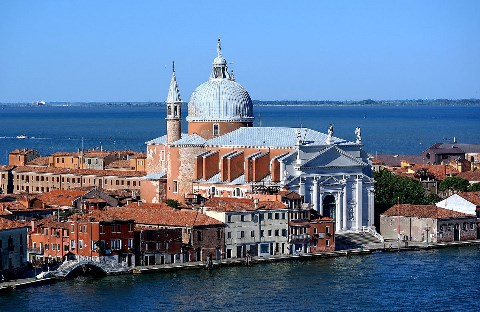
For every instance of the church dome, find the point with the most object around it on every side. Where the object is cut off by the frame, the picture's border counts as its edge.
(220, 98)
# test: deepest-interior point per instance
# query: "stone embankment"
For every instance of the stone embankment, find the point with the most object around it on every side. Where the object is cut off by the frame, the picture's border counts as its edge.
(387, 246)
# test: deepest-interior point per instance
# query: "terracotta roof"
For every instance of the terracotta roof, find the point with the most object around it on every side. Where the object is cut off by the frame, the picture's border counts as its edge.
(470, 175)
(22, 151)
(11, 206)
(423, 211)
(6, 167)
(39, 161)
(6, 224)
(165, 217)
(473, 197)
(290, 194)
(241, 204)
(60, 197)
(394, 160)
(439, 171)
(100, 154)
(57, 154)
(140, 205)
(51, 221)
(120, 173)
(122, 163)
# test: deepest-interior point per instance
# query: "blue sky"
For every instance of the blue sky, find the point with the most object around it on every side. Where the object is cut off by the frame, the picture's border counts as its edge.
(295, 50)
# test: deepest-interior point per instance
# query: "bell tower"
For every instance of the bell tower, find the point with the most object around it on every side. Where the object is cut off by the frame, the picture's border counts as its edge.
(174, 110)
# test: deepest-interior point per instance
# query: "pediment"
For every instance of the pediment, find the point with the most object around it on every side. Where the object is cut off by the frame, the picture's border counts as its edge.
(333, 157)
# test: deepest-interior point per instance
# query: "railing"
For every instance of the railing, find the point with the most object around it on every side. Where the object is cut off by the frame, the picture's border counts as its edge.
(371, 230)
(293, 237)
(37, 251)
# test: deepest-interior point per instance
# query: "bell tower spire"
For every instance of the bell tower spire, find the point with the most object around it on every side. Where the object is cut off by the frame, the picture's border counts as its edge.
(174, 110)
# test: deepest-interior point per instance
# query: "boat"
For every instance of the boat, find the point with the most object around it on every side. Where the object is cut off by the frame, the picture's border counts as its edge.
(22, 136)
(38, 103)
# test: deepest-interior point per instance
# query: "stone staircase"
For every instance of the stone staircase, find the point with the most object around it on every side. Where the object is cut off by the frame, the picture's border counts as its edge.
(356, 240)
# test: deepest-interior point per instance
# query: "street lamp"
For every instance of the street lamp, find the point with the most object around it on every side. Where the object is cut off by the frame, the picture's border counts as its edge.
(427, 229)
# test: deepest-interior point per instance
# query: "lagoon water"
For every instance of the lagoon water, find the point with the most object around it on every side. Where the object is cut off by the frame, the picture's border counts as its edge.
(430, 280)
(385, 129)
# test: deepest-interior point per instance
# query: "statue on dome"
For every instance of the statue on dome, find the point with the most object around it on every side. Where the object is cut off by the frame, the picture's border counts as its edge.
(358, 133)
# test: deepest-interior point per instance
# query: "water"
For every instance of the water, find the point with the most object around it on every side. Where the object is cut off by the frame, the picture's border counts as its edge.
(385, 129)
(433, 280)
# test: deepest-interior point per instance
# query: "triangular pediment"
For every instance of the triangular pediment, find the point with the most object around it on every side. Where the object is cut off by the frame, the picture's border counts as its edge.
(333, 157)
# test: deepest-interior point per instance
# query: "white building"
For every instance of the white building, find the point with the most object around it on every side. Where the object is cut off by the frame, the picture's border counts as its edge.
(253, 228)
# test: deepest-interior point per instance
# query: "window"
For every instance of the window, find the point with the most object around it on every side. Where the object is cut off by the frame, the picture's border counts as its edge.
(252, 233)
(284, 232)
(130, 243)
(72, 244)
(101, 229)
(229, 234)
(116, 244)
(242, 218)
(261, 216)
(216, 130)
(130, 227)
(199, 235)
(73, 228)
(47, 246)
(237, 192)
(283, 215)
(162, 155)
(269, 232)
(229, 218)
(327, 230)
(277, 232)
(269, 215)
(327, 242)
(262, 232)
(80, 244)
(315, 230)
(277, 216)
(175, 186)
(242, 234)
(219, 234)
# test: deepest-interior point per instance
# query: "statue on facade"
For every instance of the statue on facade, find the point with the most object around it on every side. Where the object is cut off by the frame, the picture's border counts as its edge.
(330, 134)
(358, 133)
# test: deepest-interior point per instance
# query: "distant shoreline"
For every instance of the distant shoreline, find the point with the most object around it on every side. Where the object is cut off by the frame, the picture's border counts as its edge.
(418, 102)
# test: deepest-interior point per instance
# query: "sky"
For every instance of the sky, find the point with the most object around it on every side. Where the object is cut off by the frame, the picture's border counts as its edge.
(279, 50)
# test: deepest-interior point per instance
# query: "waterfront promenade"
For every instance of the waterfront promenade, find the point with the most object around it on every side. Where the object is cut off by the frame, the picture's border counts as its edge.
(388, 246)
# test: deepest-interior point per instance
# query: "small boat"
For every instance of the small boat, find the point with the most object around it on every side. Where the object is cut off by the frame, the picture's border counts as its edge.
(38, 103)
(22, 136)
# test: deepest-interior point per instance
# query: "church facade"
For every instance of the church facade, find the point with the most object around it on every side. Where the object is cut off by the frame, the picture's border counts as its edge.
(223, 155)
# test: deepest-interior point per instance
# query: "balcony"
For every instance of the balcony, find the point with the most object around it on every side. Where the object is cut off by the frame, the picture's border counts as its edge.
(298, 238)
(36, 251)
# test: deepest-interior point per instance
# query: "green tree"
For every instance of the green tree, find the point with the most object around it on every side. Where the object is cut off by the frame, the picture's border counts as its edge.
(475, 187)
(390, 189)
(454, 184)
(173, 203)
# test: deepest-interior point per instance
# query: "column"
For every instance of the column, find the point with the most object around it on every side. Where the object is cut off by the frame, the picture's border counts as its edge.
(315, 195)
(358, 214)
(301, 187)
(371, 205)
(320, 197)
(344, 206)
(282, 172)
(338, 214)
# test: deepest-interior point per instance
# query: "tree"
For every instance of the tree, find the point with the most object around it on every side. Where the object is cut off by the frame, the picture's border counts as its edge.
(173, 203)
(475, 187)
(391, 189)
(454, 184)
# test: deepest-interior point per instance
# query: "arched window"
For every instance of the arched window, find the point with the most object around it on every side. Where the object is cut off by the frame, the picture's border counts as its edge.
(329, 206)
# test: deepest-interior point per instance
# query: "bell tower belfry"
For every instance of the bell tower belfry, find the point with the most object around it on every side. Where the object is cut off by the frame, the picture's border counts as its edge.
(174, 110)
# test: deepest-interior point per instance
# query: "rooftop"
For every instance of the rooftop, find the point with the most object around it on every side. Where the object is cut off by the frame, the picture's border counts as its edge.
(6, 224)
(423, 211)
(226, 204)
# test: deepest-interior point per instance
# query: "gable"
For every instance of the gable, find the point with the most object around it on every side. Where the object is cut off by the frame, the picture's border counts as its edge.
(457, 203)
(333, 157)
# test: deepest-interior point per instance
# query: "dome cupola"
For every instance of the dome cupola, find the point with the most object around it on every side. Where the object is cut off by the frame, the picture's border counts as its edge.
(220, 99)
